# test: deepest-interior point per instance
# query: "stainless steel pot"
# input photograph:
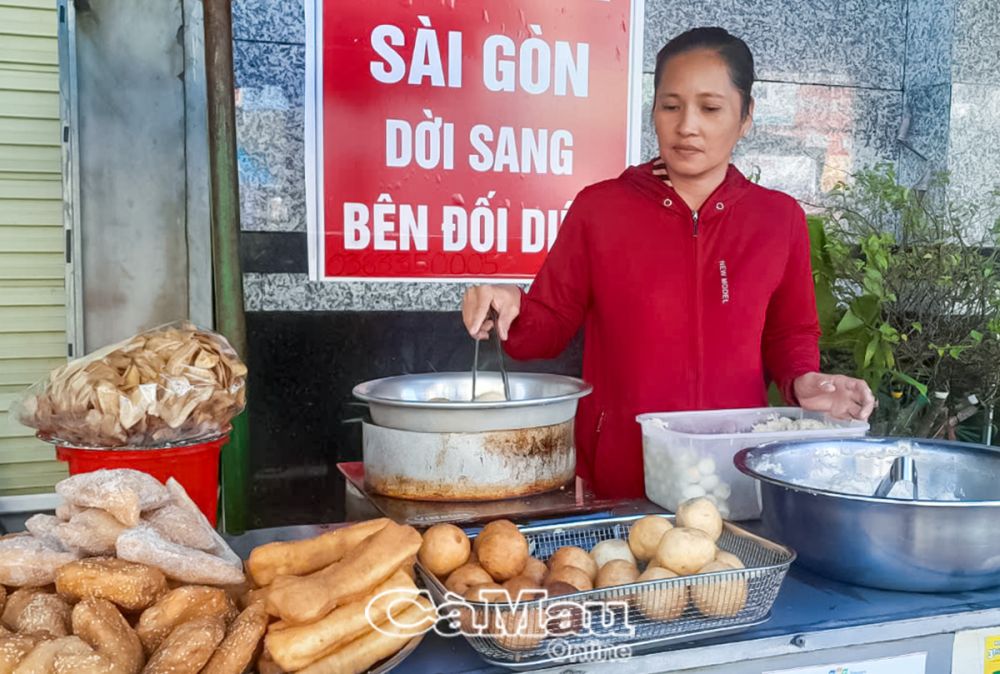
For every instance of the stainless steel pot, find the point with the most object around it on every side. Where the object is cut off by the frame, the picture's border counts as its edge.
(816, 498)
(413, 402)
(468, 466)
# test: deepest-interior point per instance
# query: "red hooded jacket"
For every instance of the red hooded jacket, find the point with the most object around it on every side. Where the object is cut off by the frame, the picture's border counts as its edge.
(682, 310)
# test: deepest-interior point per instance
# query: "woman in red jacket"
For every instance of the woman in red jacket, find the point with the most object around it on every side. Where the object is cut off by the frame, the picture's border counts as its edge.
(692, 283)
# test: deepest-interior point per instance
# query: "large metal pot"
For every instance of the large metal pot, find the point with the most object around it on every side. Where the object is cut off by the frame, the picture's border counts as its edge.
(424, 448)
(408, 402)
(468, 466)
(843, 532)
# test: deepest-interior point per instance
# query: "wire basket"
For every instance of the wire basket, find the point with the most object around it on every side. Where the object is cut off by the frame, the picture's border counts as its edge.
(622, 619)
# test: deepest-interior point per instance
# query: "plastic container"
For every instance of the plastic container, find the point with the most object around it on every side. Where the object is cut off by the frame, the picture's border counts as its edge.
(690, 454)
(195, 466)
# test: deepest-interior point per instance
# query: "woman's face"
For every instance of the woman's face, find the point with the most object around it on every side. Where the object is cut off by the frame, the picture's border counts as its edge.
(697, 114)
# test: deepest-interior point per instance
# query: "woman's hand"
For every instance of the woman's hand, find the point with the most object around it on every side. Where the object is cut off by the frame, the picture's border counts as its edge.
(476, 306)
(839, 396)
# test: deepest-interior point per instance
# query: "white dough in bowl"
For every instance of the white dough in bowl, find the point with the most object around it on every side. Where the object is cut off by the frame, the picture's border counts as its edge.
(490, 396)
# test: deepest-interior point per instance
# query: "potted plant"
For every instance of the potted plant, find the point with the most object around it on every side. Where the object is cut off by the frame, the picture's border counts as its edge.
(908, 293)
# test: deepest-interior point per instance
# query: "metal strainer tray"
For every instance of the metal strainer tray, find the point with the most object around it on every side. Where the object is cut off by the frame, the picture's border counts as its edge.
(766, 562)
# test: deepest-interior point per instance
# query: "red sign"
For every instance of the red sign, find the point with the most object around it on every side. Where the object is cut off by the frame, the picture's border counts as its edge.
(454, 134)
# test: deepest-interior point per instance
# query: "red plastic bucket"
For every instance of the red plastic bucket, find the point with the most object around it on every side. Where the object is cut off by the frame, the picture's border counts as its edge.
(195, 466)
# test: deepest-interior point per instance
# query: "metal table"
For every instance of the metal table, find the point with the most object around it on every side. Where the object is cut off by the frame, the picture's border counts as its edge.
(814, 622)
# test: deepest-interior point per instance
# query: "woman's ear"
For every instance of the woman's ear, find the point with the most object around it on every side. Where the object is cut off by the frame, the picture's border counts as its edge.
(748, 121)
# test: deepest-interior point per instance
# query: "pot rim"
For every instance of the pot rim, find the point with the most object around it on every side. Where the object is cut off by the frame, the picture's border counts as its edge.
(364, 391)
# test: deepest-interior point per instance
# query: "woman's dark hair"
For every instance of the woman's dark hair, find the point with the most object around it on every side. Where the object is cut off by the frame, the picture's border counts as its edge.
(732, 49)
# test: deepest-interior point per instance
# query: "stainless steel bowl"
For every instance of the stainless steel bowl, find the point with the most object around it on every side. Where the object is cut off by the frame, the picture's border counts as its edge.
(841, 531)
(407, 402)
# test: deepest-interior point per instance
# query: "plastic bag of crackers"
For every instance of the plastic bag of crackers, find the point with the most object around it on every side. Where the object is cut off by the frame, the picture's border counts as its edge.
(128, 576)
(172, 384)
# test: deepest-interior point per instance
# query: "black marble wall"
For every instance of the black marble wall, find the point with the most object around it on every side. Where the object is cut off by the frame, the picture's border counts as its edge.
(303, 419)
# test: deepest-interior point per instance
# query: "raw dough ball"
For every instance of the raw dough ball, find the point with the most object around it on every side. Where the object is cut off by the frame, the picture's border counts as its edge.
(693, 491)
(706, 466)
(709, 483)
(504, 554)
(490, 396)
(535, 569)
(730, 559)
(464, 577)
(614, 548)
(684, 550)
(492, 527)
(572, 575)
(617, 572)
(661, 603)
(722, 598)
(445, 548)
(573, 556)
(645, 535)
(700, 513)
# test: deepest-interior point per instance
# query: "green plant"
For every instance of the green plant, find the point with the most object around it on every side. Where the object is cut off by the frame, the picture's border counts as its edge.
(908, 292)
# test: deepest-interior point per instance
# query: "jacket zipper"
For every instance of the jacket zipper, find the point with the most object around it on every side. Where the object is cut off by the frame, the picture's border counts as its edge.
(699, 344)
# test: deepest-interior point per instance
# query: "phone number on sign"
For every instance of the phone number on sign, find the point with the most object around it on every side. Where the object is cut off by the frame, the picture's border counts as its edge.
(419, 265)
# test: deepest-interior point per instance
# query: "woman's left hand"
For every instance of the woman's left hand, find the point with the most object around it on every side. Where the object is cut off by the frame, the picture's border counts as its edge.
(839, 396)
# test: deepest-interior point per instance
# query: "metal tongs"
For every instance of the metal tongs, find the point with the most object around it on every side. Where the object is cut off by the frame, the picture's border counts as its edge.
(495, 337)
(903, 469)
